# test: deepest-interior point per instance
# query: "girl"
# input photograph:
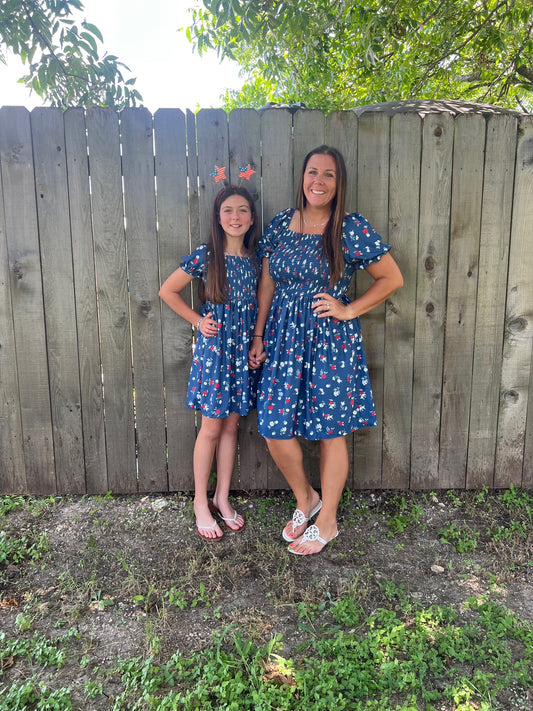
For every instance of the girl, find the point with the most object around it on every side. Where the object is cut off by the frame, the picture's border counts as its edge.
(221, 386)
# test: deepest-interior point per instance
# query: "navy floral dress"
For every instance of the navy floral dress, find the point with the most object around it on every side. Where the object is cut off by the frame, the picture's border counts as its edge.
(220, 382)
(315, 380)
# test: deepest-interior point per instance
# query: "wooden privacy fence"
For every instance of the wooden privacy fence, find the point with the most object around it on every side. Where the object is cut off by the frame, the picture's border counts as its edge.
(97, 208)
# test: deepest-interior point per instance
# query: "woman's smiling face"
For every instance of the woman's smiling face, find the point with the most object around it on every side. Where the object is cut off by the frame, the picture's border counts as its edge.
(320, 180)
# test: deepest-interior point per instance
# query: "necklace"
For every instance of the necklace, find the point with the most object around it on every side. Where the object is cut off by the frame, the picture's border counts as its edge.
(316, 224)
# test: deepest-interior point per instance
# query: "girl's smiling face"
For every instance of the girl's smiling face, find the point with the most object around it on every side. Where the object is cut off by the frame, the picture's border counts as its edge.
(235, 216)
(320, 180)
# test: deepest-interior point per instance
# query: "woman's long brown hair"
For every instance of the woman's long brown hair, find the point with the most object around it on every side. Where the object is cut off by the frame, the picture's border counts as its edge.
(215, 288)
(332, 236)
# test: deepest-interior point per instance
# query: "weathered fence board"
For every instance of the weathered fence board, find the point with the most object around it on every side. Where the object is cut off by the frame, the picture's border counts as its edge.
(18, 184)
(49, 158)
(467, 186)
(11, 445)
(373, 202)
(173, 228)
(430, 303)
(406, 139)
(90, 372)
(492, 285)
(145, 310)
(112, 289)
(97, 209)
(518, 335)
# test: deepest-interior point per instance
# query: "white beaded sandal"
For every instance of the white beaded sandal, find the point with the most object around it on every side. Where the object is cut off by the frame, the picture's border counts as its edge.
(312, 534)
(299, 518)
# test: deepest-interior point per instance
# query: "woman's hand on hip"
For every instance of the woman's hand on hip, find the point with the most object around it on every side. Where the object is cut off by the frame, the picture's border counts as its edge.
(324, 306)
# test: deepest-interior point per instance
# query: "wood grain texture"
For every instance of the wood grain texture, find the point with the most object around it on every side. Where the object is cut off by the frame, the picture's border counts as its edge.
(145, 311)
(90, 367)
(23, 252)
(430, 303)
(113, 300)
(515, 393)
(404, 196)
(174, 243)
(373, 202)
(463, 266)
(489, 335)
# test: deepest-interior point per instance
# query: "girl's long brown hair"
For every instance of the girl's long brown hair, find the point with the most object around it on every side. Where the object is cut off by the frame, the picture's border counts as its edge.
(215, 286)
(332, 236)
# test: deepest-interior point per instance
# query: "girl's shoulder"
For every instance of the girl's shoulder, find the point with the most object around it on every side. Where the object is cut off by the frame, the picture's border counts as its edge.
(194, 262)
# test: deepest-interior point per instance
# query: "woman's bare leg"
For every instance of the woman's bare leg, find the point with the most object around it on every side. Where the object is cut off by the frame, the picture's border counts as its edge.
(333, 474)
(288, 456)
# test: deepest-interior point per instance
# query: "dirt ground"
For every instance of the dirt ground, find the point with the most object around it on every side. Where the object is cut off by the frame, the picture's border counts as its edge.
(131, 574)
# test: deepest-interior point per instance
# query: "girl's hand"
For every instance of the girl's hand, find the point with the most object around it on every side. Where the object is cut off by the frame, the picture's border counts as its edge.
(325, 305)
(208, 327)
(256, 354)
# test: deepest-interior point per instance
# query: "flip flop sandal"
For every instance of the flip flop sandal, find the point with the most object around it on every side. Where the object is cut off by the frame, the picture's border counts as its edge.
(208, 528)
(299, 518)
(216, 512)
(312, 534)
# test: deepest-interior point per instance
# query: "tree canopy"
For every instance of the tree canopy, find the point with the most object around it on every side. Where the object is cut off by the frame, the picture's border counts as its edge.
(334, 54)
(64, 58)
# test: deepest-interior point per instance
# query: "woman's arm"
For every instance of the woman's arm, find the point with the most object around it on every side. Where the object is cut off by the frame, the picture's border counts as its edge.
(265, 294)
(170, 292)
(387, 279)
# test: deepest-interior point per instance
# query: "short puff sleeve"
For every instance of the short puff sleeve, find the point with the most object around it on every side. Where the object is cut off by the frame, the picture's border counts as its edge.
(270, 239)
(194, 263)
(361, 243)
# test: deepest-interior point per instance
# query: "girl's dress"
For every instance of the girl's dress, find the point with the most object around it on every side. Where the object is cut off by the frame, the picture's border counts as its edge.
(220, 382)
(314, 381)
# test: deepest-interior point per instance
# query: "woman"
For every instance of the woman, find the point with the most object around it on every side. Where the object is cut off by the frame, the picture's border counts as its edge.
(315, 380)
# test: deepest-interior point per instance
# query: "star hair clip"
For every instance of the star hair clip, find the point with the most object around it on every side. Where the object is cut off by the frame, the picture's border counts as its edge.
(219, 172)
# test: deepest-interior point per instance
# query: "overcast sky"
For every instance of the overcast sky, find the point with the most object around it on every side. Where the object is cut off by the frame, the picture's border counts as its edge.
(144, 35)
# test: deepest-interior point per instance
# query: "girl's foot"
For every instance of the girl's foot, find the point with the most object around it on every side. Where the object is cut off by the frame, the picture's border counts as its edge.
(231, 518)
(208, 528)
(295, 528)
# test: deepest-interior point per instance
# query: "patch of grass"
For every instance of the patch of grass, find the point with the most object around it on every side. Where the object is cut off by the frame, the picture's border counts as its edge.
(464, 539)
(16, 550)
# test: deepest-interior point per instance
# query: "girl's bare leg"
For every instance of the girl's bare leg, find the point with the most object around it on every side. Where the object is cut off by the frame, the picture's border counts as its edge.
(333, 474)
(226, 449)
(204, 451)
(287, 454)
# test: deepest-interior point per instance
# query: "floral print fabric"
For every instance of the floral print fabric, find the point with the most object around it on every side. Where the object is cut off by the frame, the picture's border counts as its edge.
(220, 382)
(315, 380)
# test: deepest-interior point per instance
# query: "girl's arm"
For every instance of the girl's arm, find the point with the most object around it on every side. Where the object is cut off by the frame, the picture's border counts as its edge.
(170, 292)
(265, 294)
(387, 279)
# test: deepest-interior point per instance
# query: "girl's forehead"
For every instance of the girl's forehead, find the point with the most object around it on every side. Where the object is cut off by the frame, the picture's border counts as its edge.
(235, 201)
(321, 161)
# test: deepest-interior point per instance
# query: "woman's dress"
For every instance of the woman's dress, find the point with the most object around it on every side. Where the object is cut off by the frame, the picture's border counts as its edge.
(220, 382)
(314, 381)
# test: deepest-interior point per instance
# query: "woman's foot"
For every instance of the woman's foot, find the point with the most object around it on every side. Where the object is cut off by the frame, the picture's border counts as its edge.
(231, 519)
(296, 527)
(313, 540)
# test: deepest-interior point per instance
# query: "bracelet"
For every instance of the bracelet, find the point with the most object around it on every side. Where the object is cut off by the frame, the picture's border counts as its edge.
(199, 322)
(257, 336)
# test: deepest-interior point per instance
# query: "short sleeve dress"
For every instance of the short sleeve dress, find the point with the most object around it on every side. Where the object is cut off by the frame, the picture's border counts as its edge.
(314, 381)
(220, 382)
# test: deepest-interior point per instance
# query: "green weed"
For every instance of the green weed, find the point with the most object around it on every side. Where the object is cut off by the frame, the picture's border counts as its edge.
(464, 539)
